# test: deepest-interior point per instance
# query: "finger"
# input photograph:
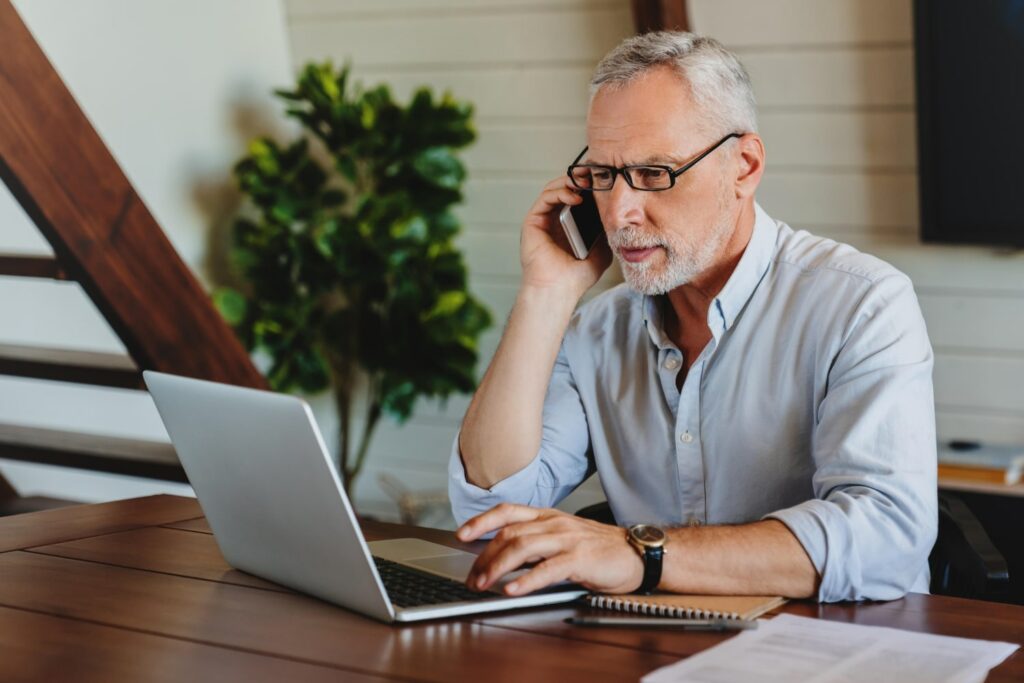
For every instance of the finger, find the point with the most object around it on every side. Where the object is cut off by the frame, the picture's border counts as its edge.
(548, 572)
(554, 197)
(496, 518)
(514, 554)
(502, 540)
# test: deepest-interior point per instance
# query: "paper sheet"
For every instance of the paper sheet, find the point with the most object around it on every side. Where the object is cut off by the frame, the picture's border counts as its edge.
(789, 648)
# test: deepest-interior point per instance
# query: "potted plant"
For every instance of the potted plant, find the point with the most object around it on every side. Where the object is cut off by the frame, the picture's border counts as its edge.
(349, 276)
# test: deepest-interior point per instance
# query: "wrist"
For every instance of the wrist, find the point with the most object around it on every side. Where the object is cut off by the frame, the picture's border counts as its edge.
(649, 542)
(554, 298)
(636, 576)
(565, 287)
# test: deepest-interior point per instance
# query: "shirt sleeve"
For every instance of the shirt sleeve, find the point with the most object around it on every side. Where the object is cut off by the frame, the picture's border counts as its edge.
(563, 462)
(873, 520)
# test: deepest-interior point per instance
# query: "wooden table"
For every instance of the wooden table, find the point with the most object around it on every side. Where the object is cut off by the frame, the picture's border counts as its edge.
(136, 590)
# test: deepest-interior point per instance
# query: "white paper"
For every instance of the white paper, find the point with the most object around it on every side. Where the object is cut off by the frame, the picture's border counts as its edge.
(790, 648)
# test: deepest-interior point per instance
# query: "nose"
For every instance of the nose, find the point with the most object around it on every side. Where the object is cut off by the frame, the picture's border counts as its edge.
(620, 206)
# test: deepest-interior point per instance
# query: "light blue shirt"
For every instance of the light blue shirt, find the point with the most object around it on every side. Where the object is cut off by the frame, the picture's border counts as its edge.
(812, 404)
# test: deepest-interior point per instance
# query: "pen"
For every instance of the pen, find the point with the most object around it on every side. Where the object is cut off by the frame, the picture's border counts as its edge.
(661, 622)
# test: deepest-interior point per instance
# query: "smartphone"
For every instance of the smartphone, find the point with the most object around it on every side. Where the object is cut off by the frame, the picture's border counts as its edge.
(582, 225)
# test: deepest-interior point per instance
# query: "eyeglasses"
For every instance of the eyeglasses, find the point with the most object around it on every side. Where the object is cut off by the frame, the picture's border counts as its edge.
(643, 177)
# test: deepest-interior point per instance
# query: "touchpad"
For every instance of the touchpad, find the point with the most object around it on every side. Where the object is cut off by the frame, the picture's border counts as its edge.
(405, 549)
(453, 566)
(432, 557)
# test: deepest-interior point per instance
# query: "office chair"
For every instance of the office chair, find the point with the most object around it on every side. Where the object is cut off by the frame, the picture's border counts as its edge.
(964, 562)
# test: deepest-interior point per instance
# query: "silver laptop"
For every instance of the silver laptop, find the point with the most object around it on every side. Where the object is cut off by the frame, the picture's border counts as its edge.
(275, 503)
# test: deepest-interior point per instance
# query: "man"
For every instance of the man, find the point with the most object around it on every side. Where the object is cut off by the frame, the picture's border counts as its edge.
(760, 398)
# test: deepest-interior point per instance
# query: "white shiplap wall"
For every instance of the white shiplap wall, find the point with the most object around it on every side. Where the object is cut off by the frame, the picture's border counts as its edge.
(525, 66)
(835, 83)
(834, 80)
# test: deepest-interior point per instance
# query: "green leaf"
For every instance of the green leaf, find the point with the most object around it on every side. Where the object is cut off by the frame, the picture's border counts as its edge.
(414, 228)
(231, 304)
(242, 258)
(368, 116)
(446, 305)
(326, 81)
(264, 154)
(347, 166)
(438, 166)
(323, 238)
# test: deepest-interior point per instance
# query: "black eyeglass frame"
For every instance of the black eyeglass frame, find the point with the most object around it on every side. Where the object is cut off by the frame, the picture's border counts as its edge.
(624, 170)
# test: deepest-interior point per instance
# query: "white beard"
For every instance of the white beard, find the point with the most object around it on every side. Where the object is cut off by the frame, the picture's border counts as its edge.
(683, 261)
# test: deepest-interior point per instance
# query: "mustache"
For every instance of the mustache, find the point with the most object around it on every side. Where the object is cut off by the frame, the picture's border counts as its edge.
(631, 238)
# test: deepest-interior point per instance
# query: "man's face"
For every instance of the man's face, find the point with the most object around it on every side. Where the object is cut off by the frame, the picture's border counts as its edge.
(661, 239)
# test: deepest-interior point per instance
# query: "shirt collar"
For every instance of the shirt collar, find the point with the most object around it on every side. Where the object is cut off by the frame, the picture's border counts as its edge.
(749, 271)
(726, 307)
(653, 321)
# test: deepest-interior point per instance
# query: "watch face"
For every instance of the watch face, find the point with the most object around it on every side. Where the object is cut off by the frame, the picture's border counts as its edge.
(647, 534)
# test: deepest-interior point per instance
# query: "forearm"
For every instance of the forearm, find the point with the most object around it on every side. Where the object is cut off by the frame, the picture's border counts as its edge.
(501, 432)
(762, 558)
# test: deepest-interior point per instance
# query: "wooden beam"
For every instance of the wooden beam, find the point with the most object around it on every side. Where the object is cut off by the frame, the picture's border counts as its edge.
(7, 491)
(118, 455)
(23, 504)
(64, 365)
(32, 266)
(69, 184)
(660, 15)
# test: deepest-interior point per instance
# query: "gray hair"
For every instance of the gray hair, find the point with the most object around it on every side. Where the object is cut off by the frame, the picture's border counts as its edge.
(718, 82)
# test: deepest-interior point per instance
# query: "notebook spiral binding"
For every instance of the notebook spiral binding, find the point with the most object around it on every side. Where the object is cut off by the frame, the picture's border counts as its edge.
(635, 607)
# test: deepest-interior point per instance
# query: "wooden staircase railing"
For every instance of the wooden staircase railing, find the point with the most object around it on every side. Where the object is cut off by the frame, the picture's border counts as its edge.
(105, 239)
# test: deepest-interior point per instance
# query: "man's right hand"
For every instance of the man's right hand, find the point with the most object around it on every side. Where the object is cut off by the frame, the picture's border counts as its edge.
(501, 433)
(546, 258)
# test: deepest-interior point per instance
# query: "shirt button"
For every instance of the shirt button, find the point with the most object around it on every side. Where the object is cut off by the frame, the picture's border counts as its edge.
(672, 363)
(686, 437)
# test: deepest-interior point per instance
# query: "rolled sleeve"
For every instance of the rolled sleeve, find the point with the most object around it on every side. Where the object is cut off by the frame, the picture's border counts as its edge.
(469, 500)
(873, 520)
(563, 462)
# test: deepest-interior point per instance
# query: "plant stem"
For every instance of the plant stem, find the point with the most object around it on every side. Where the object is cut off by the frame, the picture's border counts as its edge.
(342, 382)
(373, 414)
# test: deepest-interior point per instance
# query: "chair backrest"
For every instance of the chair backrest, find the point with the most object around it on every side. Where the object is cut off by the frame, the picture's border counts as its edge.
(964, 562)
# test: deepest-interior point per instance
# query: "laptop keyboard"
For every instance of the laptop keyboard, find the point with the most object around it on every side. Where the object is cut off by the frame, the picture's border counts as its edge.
(410, 587)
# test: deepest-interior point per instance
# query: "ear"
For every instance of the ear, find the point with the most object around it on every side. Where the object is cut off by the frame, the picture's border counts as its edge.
(750, 166)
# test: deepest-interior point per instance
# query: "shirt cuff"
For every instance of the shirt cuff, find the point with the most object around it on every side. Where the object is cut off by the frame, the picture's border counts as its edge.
(469, 500)
(824, 540)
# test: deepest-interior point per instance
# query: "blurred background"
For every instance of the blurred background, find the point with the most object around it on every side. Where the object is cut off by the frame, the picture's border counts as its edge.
(177, 90)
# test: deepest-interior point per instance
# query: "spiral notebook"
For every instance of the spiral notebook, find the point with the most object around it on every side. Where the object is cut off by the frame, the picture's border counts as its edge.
(689, 606)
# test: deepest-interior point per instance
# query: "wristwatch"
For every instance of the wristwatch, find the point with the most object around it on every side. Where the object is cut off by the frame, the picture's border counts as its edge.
(649, 541)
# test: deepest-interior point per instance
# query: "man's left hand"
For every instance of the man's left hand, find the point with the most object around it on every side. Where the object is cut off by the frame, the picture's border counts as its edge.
(565, 548)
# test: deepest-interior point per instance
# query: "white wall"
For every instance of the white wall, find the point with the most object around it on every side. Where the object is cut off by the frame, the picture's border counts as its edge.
(525, 66)
(835, 83)
(175, 88)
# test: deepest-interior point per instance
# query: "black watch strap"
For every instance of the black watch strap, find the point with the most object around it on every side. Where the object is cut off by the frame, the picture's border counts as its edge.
(652, 569)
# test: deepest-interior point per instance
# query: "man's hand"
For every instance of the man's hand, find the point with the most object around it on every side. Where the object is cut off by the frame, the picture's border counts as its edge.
(597, 556)
(544, 250)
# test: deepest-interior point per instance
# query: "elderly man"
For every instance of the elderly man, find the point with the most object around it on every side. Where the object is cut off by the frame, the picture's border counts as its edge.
(757, 401)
